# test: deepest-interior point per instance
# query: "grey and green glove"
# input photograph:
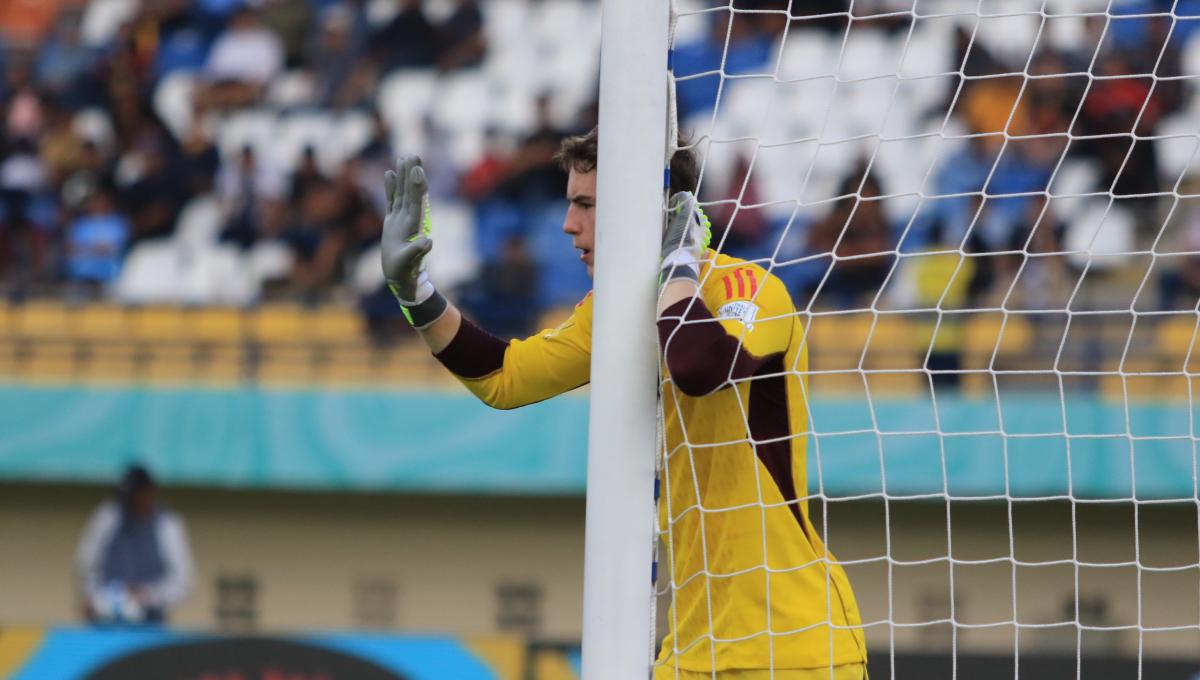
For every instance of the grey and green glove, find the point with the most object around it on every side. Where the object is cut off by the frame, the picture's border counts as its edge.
(685, 238)
(406, 241)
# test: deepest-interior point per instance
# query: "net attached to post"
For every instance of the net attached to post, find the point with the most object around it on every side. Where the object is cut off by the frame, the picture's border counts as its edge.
(978, 225)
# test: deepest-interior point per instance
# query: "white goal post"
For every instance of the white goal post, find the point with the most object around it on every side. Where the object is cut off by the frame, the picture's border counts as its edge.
(618, 639)
(987, 216)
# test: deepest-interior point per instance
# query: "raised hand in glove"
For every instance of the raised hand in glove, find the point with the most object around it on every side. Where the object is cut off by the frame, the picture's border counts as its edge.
(406, 241)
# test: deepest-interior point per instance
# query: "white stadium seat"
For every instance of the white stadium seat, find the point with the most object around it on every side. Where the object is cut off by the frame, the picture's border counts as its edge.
(272, 261)
(292, 89)
(366, 276)
(103, 18)
(255, 128)
(930, 50)
(95, 125)
(461, 101)
(150, 274)
(173, 101)
(511, 108)
(505, 22)
(406, 96)
(163, 272)
(1099, 234)
(808, 53)
(869, 54)
(200, 222)
(217, 276)
(294, 133)
(455, 260)
(350, 132)
(1177, 147)
(1011, 38)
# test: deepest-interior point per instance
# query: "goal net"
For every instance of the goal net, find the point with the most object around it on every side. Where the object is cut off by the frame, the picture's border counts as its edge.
(986, 215)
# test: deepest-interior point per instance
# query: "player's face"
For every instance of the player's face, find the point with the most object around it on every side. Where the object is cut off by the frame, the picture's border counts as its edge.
(580, 223)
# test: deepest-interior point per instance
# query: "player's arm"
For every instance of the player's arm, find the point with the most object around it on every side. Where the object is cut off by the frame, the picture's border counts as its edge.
(520, 372)
(502, 374)
(707, 343)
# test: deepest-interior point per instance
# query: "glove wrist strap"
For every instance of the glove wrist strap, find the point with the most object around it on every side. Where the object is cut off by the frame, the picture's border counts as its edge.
(682, 271)
(422, 315)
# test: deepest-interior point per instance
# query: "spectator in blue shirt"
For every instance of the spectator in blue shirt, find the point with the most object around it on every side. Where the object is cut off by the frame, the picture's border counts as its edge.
(96, 241)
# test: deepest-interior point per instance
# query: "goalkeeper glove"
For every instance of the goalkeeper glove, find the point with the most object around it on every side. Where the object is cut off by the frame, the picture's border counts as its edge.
(685, 238)
(406, 241)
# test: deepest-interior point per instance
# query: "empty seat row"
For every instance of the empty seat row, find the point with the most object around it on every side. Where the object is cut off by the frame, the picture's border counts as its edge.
(274, 323)
(296, 365)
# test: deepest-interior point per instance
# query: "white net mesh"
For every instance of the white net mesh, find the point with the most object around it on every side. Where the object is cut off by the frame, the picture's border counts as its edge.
(986, 217)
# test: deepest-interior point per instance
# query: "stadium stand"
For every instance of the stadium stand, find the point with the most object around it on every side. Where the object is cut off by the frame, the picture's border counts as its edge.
(243, 240)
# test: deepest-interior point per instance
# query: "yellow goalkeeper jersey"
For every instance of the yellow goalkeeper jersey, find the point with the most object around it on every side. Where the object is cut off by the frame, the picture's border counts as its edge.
(754, 586)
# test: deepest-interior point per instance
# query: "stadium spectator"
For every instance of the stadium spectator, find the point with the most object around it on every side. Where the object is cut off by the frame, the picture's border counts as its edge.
(443, 183)
(292, 22)
(134, 559)
(1115, 106)
(1038, 276)
(26, 215)
(533, 177)
(504, 296)
(63, 60)
(485, 175)
(88, 95)
(25, 23)
(244, 189)
(96, 242)
(181, 35)
(1179, 287)
(306, 177)
(938, 279)
(199, 160)
(22, 181)
(342, 76)
(409, 40)
(242, 62)
(23, 105)
(744, 231)
(61, 149)
(857, 232)
(464, 42)
(328, 229)
(154, 187)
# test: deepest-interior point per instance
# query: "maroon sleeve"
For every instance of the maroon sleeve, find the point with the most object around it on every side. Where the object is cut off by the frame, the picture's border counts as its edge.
(700, 356)
(473, 352)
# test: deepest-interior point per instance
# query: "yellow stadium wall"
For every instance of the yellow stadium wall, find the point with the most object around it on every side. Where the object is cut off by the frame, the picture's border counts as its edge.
(448, 555)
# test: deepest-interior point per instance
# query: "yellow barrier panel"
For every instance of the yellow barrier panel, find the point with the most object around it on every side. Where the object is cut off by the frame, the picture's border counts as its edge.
(16, 646)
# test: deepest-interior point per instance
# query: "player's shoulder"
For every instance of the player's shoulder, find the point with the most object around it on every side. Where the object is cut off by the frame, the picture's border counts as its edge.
(578, 320)
(731, 278)
(583, 309)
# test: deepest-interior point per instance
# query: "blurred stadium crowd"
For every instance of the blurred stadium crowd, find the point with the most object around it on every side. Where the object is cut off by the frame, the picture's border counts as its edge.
(227, 152)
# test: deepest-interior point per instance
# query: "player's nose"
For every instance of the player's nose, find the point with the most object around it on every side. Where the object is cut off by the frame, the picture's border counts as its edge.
(570, 224)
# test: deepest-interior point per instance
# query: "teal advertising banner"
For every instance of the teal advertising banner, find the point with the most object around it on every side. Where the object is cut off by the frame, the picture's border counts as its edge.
(1023, 445)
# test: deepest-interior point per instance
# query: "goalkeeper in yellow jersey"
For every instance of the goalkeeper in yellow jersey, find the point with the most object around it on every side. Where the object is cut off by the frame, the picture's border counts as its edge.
(756, 594)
